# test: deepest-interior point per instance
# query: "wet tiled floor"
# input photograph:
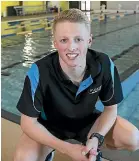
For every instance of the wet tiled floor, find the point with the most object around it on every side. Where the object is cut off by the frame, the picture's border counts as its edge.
(129, 110)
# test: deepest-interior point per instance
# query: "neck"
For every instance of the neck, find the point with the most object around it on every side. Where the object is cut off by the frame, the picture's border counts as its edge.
(75, 74)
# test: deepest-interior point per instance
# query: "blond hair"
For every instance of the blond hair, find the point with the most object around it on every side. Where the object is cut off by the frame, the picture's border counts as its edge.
(72, 15)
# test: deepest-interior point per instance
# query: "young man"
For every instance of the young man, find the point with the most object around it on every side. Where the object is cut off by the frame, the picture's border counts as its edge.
(59, 96)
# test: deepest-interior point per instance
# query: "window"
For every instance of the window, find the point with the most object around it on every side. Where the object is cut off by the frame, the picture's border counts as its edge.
(85, 5)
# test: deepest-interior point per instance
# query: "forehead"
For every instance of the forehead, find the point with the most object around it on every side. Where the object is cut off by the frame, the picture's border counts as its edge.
(71, 29)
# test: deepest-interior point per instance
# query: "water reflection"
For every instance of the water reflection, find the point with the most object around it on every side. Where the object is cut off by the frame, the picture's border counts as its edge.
(36, 46)
(32, 47)
(28, 50)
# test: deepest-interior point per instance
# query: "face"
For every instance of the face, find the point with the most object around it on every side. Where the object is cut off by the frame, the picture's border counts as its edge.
(72, 41)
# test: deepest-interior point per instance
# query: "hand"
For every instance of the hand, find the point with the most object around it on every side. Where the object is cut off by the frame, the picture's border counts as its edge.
(91, 149)
(75, 152)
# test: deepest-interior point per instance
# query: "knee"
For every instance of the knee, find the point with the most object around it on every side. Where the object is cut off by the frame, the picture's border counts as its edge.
(134, 140)
(20, 155)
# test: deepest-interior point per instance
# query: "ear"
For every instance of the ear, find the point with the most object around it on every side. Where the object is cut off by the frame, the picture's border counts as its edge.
(55, 44)
(90, 40)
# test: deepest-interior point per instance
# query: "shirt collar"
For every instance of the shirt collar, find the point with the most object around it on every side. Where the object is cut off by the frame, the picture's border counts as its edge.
(93, 66)
(93, 63)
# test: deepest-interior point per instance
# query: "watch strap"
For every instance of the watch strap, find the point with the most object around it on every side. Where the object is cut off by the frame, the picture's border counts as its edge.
(100, 138)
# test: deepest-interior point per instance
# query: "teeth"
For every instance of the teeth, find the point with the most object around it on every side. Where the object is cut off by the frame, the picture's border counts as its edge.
(72, 55)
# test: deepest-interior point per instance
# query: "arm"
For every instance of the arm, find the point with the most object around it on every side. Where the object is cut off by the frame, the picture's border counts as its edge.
(106, 120)
(102, 126)
(31, 105)
(39, 133)
(110, 95)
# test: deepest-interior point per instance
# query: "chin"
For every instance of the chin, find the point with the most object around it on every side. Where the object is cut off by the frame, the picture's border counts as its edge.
(71, 65)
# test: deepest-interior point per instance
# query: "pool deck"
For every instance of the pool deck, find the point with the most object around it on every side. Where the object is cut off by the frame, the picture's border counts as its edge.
(11, 18)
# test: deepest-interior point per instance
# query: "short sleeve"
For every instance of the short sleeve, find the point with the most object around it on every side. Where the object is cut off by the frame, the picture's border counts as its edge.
(111, 91)
(30, 102)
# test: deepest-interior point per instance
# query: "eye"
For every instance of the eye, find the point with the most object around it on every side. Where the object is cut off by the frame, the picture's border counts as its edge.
(78, 39)
(63, 40)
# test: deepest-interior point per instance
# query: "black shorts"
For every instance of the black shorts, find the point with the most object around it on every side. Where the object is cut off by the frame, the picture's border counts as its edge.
(77, 132)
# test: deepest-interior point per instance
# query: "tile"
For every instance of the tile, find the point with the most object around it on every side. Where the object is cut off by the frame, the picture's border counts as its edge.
(135, 122)
(116, 155)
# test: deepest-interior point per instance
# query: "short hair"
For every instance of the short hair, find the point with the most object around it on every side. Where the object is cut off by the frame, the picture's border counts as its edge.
(72, 15)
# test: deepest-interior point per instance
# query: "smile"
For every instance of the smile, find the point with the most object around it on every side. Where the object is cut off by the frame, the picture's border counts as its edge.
(72, 56)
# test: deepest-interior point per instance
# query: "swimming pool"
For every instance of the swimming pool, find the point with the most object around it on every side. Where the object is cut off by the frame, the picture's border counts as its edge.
(23, 25)
(20, 51)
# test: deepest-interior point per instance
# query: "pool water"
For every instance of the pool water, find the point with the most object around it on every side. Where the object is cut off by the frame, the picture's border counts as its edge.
(19, 52)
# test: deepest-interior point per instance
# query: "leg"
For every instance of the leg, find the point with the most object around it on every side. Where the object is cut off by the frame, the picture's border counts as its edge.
(29, 150)
(123, 135)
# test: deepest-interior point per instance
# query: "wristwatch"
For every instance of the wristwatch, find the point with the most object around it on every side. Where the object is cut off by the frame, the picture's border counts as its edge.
(100, 138)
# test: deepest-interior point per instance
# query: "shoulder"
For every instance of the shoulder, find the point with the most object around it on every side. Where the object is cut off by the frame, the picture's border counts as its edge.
(102, 57)
(106, 64)
(42, 66)
(46, 61)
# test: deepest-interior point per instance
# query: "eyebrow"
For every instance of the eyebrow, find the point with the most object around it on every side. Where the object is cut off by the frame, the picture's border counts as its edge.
(74, 37)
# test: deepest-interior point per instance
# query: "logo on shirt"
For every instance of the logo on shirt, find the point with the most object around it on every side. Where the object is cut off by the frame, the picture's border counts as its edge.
(92, 91)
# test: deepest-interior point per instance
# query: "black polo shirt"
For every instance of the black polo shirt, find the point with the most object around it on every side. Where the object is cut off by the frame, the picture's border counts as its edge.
(47, 94)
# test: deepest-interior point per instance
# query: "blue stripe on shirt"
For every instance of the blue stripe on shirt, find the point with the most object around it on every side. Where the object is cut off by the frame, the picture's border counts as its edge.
(112, 71)
(33, 75)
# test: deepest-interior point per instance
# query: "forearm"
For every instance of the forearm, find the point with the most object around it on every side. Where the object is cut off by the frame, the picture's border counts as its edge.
(40, 134)
(106, 120)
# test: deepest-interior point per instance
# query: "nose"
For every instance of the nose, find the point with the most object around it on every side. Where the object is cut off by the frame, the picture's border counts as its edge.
(72, 47)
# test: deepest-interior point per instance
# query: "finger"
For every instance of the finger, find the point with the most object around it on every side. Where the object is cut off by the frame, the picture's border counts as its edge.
(84, 158)
(93, 152)
(89, 144)
(85, 151)
(92, 158)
